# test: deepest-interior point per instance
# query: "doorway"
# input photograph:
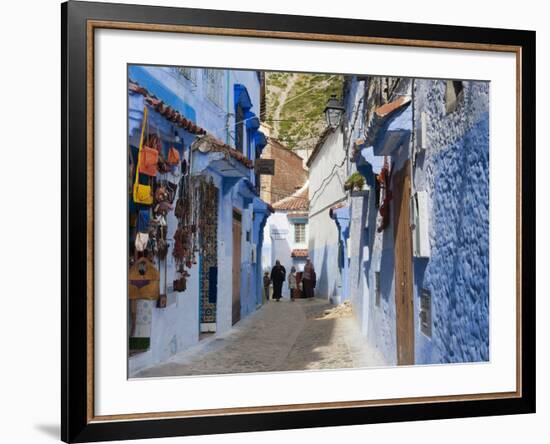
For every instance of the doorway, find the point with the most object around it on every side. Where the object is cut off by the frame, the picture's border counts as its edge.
(404, 307)
(236, 299)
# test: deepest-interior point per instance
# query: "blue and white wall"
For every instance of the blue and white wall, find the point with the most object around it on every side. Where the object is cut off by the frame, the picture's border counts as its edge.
(176, 327)
(453, 170)
(211, 107)
(327, 175)
(279, 241)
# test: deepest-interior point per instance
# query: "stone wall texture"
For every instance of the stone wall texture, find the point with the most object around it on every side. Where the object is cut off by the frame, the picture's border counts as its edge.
(454, 171)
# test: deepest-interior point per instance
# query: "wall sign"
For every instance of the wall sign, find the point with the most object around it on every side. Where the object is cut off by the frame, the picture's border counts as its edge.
(264, 167)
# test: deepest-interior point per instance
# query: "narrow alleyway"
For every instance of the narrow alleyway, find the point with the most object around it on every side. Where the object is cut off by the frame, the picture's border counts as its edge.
(301, 335)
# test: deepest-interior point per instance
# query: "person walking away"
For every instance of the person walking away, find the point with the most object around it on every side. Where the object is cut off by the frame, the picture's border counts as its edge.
(278, 276)
(267, 284)
(299, 285)
(292, 283)
(309, 278)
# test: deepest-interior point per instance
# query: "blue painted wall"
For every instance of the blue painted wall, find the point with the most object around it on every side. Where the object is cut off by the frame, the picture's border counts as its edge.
(454, 171)
(169, 333)
(457, 273)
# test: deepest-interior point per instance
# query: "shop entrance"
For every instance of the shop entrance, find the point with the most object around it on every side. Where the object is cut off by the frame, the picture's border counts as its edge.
(237, 233)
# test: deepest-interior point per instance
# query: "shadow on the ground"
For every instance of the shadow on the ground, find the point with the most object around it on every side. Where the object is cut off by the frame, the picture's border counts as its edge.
(307, 352)
(298, 337)
(51, 430)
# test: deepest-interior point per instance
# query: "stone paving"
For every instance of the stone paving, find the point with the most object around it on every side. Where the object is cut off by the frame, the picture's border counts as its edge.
(280, 336)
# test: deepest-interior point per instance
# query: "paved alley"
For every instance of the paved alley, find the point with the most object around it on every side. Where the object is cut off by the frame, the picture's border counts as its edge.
(300, 335)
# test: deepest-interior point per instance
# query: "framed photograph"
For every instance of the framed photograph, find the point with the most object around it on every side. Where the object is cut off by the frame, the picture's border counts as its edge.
(276, 221)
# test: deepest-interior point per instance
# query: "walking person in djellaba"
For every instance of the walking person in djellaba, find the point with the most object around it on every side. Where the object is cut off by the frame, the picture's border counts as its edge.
(309, 279)
(267, 284)
(278, 277)
(292, 283)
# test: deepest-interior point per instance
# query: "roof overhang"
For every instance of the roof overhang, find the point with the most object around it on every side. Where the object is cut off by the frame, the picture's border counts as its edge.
(390, 127)
(300, 253)
(218, 162)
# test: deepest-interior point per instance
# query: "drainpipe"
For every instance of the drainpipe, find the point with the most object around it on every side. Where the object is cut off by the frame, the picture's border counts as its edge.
(413, 140)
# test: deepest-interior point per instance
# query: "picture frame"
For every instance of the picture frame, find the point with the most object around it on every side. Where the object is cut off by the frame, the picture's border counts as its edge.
(80, 20)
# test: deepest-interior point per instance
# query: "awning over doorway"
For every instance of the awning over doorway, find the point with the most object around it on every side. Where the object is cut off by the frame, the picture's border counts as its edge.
(390, 126)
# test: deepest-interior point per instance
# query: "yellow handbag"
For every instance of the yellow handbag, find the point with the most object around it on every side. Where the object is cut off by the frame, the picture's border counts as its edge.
(143, 194)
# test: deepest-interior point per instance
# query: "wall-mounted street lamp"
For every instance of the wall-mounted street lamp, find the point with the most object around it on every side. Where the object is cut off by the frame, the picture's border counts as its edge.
(334, 112)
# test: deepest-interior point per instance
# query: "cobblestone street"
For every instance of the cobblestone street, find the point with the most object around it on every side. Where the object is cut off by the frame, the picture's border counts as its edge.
(280, 336)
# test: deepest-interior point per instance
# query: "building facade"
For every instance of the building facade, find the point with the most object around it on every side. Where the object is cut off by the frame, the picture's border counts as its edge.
(290, 174)
(207, 234)
(286, 234)
(415, 230)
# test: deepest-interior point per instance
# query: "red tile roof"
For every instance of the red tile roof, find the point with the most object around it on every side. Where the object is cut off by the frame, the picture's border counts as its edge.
(207, 142)
(299, 201)
(167, 111)
(176, 117)
(298, 214)
(299, 252)
(390, 107)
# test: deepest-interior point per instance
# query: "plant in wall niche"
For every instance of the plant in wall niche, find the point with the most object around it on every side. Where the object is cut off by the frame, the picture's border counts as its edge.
(354, 182)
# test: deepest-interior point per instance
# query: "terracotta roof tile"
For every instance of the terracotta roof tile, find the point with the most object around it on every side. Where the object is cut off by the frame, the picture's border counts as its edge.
(165, 110)
(299, 252)
(298, 214)
(206, 143)
(299, 201)
(388, 108)
(176, 117)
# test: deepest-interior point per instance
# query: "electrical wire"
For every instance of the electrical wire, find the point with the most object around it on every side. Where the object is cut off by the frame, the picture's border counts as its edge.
(346, 148)
(286, 102)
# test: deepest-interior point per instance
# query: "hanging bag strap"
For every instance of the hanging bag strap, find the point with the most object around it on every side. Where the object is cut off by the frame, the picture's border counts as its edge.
(141, 141)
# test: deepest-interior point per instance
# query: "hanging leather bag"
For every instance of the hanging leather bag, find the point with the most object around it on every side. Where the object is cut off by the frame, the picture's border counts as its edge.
(180, 208)
(173, 156)
(143, 194)
(142, 239)
(148, 162)
(171, 189)
(143, 222)
(180, 284)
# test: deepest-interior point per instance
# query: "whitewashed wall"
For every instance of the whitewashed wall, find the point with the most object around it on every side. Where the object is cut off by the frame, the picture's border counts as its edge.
(327, 174)
(279, 243)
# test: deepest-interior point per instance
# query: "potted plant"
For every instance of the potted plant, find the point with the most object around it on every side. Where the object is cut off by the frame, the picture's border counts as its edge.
(355, 182)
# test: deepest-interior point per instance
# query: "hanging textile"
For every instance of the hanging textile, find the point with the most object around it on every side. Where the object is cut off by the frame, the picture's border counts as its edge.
(384, 181)
(187, 209)
(143, 193)
(208, 247)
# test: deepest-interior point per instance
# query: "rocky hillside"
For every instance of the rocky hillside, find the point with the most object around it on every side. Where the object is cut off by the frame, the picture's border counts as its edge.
(295, 104)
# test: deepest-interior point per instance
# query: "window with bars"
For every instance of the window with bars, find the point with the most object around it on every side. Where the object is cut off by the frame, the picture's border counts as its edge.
(213, 85)
(300, 233)
(187, 73)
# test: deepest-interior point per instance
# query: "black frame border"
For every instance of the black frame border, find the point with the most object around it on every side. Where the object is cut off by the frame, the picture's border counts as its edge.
(75, 426)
